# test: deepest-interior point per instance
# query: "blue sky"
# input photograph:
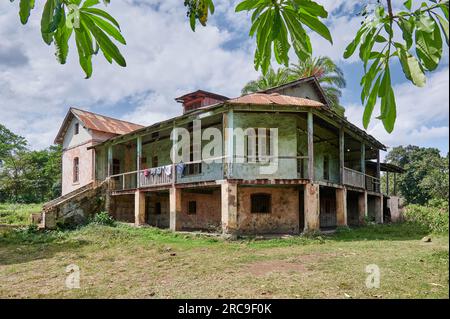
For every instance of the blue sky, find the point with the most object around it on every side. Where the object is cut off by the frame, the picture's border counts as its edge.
(165, 59)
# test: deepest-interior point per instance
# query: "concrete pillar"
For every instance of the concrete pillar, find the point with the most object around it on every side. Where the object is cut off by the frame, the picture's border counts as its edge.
(175, 208)
(379, 209)
(362, 207)
(312, 207)
(229, 207)
(341, 206)
(139, 208)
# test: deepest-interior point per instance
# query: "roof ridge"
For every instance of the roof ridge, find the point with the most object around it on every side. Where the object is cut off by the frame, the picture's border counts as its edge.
(105, 116)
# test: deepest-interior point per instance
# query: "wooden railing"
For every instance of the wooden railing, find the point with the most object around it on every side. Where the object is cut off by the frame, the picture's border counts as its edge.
(162, 175)
(372, 184)
(354, 178)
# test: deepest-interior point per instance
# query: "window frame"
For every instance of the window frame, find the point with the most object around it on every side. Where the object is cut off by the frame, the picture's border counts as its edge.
(77, 129)
(76, 170)
(254, 197)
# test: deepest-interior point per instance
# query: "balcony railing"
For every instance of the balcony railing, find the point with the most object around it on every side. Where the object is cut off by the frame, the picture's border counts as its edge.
(373, 184)
(155, 176)
(354, 178)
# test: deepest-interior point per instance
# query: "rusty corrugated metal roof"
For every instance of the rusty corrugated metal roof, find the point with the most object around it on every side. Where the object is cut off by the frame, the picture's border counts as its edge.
(103, 123)
(274, 98)
(96, 122)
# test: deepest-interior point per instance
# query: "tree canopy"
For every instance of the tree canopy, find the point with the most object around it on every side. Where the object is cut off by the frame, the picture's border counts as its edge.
(426, 175)
(413, 35)
(27, 176)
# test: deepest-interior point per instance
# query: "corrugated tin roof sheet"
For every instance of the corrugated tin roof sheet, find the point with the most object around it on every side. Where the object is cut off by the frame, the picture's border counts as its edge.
(103, 123)
(274, 98)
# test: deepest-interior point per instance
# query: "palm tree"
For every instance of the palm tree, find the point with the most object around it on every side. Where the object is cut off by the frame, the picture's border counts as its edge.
(271, 79)
(330, 76)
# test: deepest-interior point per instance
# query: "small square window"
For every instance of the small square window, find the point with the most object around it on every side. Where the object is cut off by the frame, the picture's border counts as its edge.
(192, 207)
(77, 128)
(261, 203)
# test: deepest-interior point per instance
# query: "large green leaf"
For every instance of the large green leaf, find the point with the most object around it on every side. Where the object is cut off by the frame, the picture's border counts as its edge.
(411, 67)
(444, 26)
(314, 24)
(25, 8)
(312, 8)
(247, 5)
(108, 28)
(61, 37)
(102, 14)
(368, 110)
(47, 21)
(429, 47)
(351, 47)
(389, 110)
(106, 45)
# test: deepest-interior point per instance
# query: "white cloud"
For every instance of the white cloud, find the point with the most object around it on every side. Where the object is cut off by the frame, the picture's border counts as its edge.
(422, 114)
(164, 60)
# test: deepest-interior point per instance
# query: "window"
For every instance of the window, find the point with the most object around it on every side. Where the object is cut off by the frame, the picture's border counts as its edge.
(116, 166)
(192, 207)
(158, 208)
(261, 203)
(258, 146)
(195, 149)
(326, 167)
(77, 128)
(76, 170)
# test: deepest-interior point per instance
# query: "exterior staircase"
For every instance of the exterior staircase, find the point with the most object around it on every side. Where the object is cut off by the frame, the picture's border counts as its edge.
(73, 208)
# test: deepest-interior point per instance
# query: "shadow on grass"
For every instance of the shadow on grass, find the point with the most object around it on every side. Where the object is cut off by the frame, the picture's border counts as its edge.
(21, 246)
(396, 231)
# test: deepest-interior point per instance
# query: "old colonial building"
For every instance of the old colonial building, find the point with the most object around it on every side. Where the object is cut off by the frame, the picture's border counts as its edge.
(298, 166)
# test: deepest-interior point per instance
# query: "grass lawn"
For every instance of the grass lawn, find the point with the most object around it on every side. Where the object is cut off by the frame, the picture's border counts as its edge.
(17, 214)
(128, 262)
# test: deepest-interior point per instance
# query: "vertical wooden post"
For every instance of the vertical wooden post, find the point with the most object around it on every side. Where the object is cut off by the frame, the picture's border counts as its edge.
(387, 183)
(395, 184)
(138, 160)
(363, 162)
(341, 154)
(110, 160)
(310, 146)
(378, 164)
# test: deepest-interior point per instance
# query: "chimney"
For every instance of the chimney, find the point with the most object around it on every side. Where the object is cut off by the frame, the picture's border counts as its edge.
(198, 99)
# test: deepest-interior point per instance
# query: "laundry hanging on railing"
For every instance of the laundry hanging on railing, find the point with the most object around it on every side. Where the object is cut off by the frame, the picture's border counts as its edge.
(180, 169)
(168, 170)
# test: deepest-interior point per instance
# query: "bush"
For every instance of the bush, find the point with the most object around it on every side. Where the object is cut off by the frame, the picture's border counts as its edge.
(103, 218)
(434, 216)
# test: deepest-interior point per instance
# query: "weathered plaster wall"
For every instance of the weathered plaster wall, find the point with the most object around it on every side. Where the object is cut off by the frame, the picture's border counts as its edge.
(284, 217)
(85, 157)
(304, 91)
(122, 208)
(208, 215)
(287, 141)
(71, 139)
(161, 220)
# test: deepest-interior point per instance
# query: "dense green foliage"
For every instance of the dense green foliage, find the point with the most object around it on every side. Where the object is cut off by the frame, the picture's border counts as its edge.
(329, 75)
(426, 175)
(27, 176)
(278, 26)
(433, 216)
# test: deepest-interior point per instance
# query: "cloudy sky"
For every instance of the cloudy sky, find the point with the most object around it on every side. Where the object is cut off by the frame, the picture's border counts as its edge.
(166, 59)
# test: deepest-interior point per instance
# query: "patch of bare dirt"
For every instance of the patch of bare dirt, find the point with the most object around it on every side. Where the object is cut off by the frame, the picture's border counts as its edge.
(262, 268)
